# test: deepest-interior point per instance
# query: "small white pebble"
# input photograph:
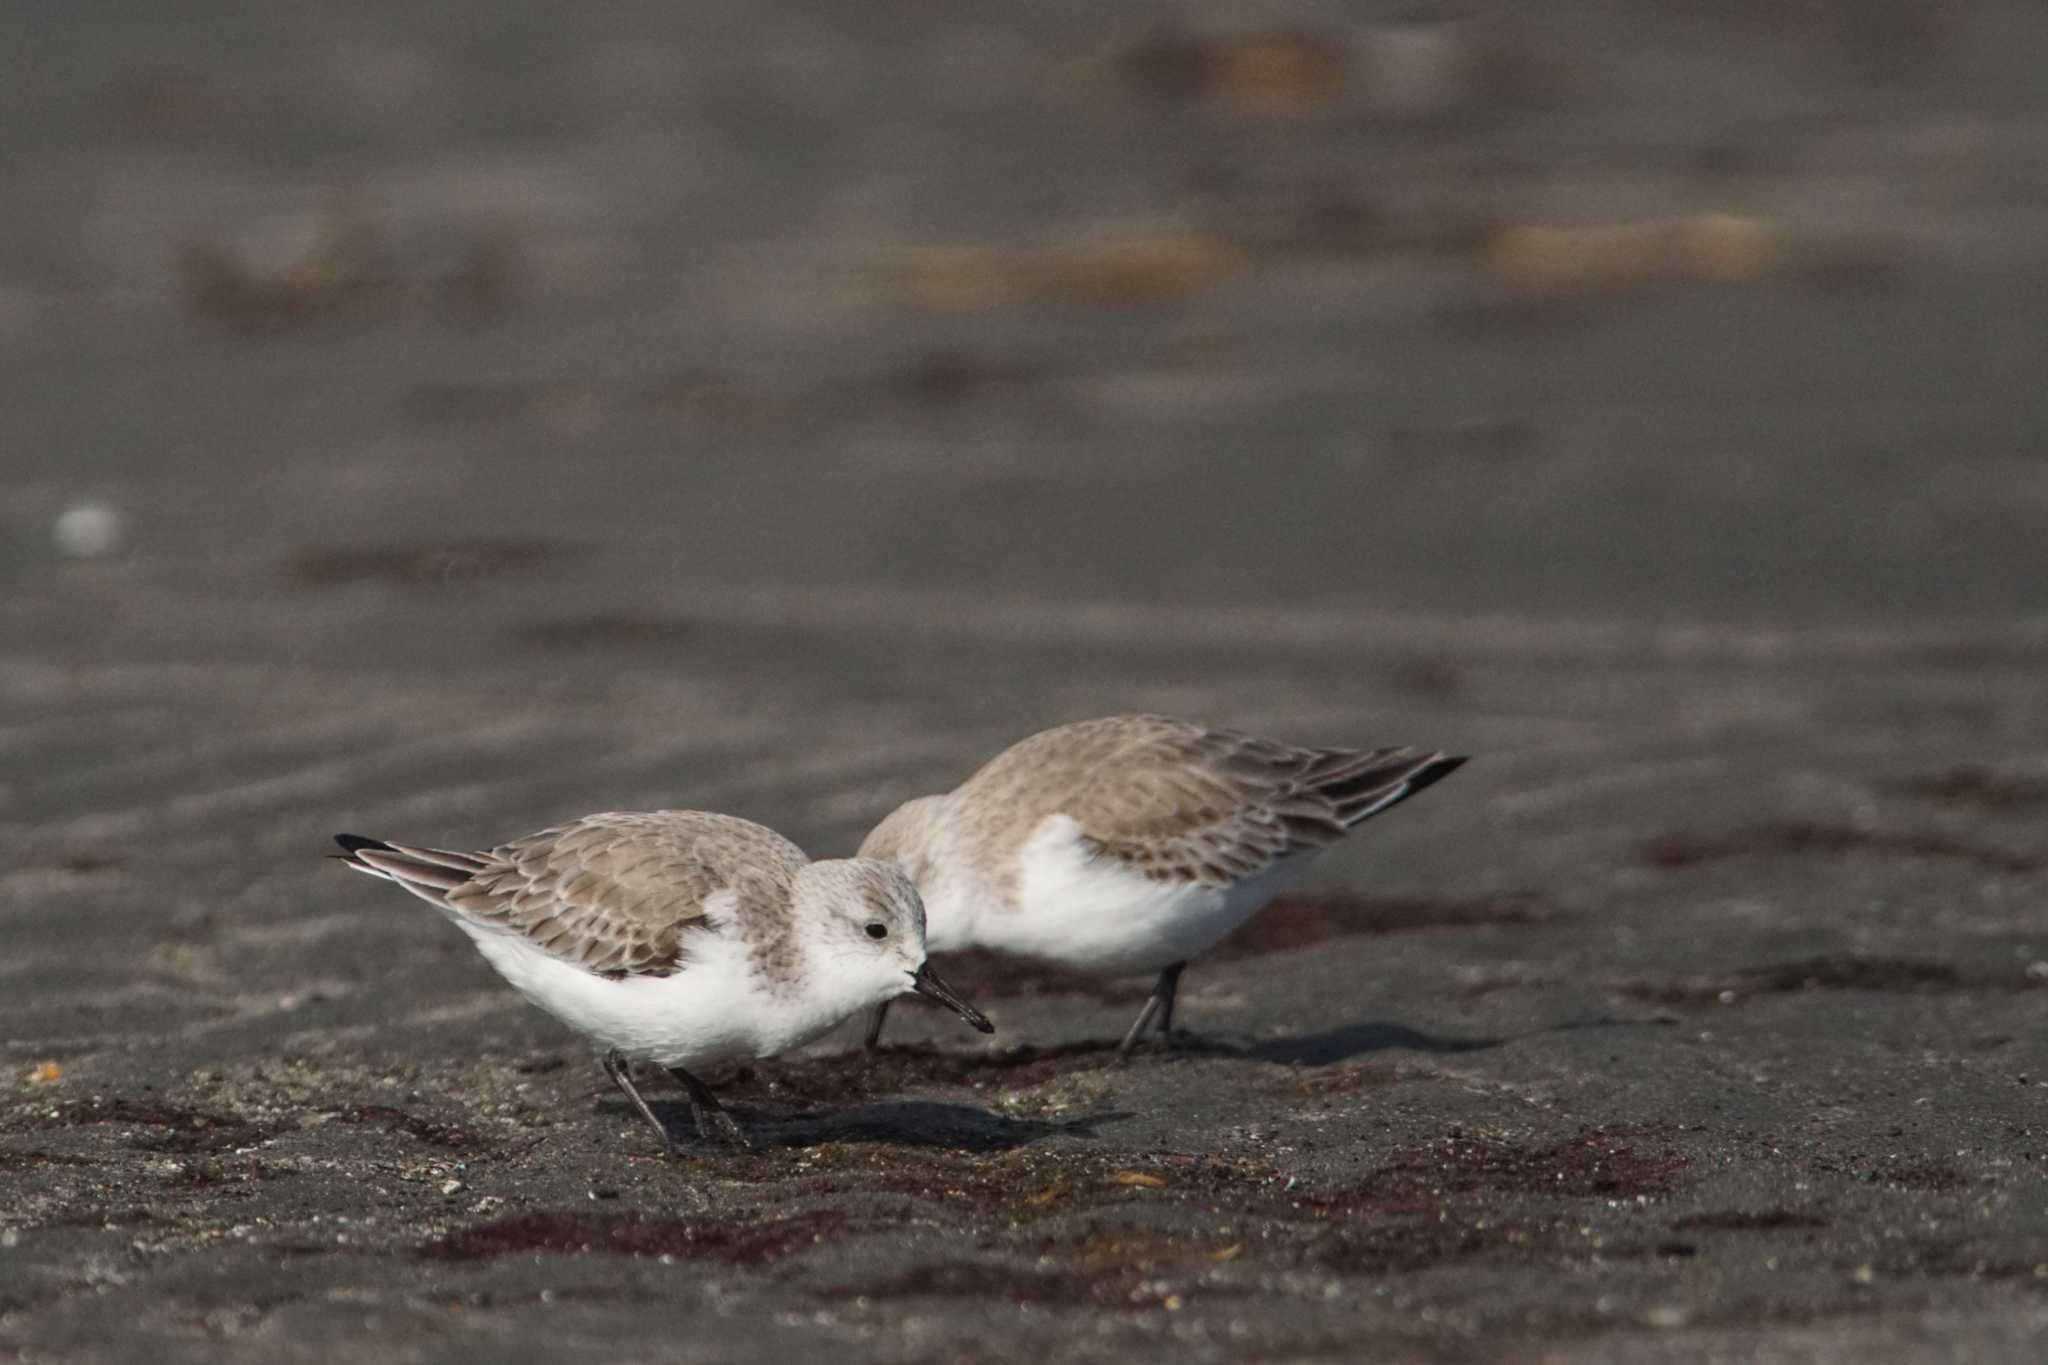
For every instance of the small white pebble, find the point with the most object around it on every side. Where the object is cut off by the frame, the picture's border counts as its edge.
(87, 530)
(451, 1187)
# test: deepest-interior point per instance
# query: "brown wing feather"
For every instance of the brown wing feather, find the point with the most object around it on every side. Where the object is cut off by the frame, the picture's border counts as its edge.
(615, 894)
(1182, 802)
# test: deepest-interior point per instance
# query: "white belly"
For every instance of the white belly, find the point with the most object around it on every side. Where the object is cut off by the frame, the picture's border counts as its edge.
(1098, 916)
(711, 1010)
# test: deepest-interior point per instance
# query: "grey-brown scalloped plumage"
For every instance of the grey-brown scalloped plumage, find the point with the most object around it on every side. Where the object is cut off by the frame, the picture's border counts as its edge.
(615, 893)
(1172, 800)
(1178, 801)
(1133, 842)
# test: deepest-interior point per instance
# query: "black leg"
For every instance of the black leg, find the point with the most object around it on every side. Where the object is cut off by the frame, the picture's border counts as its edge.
(875, 1021)
(1168, 988)
(714, 1124)
(615, 1067)
(1159, 1006)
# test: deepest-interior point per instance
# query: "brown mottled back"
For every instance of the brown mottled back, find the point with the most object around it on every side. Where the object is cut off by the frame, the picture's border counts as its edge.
(1178, 801)
(613, 893)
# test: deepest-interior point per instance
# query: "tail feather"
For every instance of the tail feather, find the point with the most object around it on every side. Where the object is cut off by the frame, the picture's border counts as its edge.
(1382, 779)
(469, 863)
(429, 873)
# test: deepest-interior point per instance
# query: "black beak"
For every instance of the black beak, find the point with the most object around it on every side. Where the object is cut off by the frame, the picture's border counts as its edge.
(925, 981)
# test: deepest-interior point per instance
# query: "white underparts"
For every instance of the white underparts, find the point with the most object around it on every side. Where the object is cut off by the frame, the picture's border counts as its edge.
(713, 1008)
(1096, 914)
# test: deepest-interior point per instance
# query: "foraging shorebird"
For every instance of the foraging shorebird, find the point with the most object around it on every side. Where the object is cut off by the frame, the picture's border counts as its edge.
(1132, 844)
(680, 938)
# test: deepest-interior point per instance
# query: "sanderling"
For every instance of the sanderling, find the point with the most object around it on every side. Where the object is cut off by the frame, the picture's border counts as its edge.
(678, 937)
(1131, 844)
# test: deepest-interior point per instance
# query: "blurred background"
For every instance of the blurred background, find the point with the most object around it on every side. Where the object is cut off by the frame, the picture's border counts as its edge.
(449, 420)
(444, 421)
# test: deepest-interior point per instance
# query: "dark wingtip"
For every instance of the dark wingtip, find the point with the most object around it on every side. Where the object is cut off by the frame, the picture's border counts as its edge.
(355, 843)
(1435, 771)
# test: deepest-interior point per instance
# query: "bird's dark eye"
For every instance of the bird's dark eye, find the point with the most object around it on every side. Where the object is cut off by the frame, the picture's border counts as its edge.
(877, 929)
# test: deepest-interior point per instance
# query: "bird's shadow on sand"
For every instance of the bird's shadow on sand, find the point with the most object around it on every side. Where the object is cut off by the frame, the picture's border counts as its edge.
(901, 1123)
(923, 1123)
(1324, 1048)
(811, 1101)
(1356, 1040)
